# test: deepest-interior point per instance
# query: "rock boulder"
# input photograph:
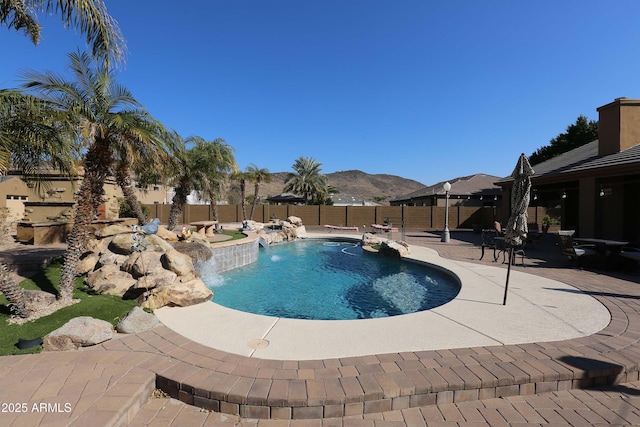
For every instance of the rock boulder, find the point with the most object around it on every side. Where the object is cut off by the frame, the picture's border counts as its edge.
(110, 280)
(177, 262)
(137, 320)
(394, 248)
(78, 332)
(178, 294)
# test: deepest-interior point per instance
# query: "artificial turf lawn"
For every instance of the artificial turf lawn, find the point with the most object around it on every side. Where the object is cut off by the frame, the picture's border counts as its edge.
(105, 307)
(235, 235)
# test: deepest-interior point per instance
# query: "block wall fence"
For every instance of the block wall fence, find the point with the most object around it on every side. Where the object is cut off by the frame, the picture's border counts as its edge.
(412, 217)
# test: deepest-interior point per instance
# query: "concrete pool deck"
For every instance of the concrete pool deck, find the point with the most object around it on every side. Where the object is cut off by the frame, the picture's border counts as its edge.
(537, 309)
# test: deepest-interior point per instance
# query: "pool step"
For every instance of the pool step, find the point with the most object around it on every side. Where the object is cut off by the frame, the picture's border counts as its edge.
(258, 388)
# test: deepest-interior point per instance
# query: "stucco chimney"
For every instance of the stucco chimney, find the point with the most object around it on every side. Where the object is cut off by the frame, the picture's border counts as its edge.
(618, 126)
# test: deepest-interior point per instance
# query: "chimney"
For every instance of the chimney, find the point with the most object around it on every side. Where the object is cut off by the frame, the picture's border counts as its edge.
(618, 126)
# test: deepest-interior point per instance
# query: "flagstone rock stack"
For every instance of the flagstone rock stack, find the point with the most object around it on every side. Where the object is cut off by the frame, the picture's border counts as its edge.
(151, 270)
(280, 231)
(391, 248)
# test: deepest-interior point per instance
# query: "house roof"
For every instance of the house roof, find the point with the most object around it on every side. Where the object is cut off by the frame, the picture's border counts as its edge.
(466, 185)
(4, 178)
(581, 160)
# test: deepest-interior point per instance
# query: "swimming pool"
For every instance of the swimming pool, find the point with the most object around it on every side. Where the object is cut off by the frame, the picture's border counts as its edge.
(331, 280)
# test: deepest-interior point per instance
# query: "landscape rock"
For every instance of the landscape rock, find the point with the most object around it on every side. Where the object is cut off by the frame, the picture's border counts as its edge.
(122, 244)
(110, 280)
(295, 220)
(140, 264)
(98, 245)
(154, 243)
(156, 280)
(34, 299)
(178, 294)
(167, 235)
(177, 262)
(136, 321)
(199, 238)
(109, 257)
(369, 239)
(87, 263)
(78, 332)
(394, 248)
(196, 250)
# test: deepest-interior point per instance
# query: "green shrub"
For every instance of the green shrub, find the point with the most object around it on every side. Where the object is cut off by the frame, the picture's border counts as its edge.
(127, 212)
(548, 220)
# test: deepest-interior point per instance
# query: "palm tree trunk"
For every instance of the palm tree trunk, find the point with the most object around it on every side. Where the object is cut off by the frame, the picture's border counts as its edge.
(13, 293)
(243, 201)
(177, 204)
(213, 206)
(123, 178)
(88, 199)
(256, 190)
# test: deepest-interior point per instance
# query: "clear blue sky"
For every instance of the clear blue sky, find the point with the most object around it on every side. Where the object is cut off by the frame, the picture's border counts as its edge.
(427, 90)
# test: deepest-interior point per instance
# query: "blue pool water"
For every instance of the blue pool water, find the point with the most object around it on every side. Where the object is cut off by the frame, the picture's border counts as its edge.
(320, 279)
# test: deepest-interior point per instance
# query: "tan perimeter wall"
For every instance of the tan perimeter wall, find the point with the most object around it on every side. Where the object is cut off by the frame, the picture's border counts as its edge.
(413, 217)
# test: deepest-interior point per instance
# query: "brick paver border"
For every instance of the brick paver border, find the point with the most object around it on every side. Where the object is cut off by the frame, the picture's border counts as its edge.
(259, 388)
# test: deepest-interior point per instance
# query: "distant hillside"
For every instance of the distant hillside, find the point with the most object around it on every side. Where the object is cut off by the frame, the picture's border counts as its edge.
(361, 185)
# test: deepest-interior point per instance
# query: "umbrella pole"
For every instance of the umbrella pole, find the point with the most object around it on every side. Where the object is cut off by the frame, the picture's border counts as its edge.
(506, 286)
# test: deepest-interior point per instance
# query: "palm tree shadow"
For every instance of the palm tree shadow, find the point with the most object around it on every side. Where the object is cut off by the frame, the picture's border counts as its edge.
(44, 283)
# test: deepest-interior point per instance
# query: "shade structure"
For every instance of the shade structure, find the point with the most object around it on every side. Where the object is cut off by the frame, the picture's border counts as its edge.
(286, 198)
(516, 230)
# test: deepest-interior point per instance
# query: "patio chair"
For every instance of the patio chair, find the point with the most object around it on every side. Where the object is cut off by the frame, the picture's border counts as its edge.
(517, 251)
(631, 254)
(570, 249)
(535, 235)
(488, 241)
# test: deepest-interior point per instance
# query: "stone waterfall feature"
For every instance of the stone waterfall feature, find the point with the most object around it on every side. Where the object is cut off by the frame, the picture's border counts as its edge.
(154, 270)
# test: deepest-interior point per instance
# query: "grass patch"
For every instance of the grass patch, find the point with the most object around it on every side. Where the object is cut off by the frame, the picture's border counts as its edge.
(235, 235)
(106, 307)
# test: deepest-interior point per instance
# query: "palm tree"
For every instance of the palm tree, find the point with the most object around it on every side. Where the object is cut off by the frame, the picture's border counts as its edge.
(32, 138)
(216, 160)
(139, 160)
(123, 175)
(307, 180)
(181, 174)
(87, 16)
(257, 176)
(107, 121)
(323, 197)
(242, 178)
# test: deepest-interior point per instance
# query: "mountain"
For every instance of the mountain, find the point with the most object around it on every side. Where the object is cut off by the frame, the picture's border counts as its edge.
(378, 188)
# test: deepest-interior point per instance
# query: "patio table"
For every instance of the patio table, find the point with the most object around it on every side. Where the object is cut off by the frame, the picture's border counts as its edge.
(608, 250)
(205, 228)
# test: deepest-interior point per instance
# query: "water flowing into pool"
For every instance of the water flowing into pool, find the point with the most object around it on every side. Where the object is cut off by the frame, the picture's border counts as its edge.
(320, 279)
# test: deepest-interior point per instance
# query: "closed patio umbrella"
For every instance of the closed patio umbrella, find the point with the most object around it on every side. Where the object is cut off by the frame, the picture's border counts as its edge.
(516, 229)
